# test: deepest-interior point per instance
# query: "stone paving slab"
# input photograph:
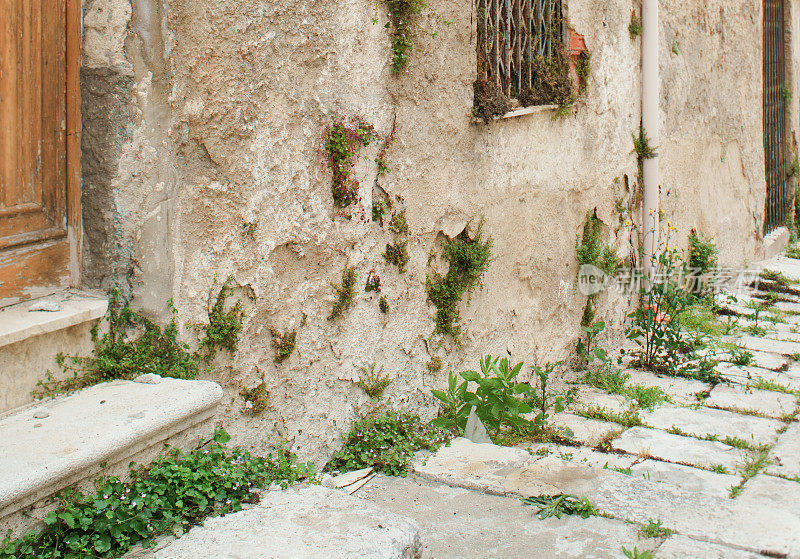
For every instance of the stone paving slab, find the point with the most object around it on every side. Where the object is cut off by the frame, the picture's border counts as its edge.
(677, 449)
(707, 421)
(768, 360)
(306, 521)
(786, 453)
(773, 404)
(457, 523)
(749, 375)
(689, 478)
(769, 345)
(716, 520)
(588, 396)
(587, 431)
(781, 493)
(582, 455)
(681, 547)
(679, 390)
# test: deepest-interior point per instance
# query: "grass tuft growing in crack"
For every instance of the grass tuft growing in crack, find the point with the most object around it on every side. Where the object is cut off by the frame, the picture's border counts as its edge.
(559, 505)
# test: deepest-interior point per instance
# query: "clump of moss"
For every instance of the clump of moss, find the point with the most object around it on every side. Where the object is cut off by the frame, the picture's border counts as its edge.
(398, 223)
(641, 145)
(373, 382)
(284, 344)
(132, 346)
(397, 253)
(345, 293)
(373, 282)
(435, 364)
(257, 398)
(635, 27)
(383, 305)
(378, 209)
(469, 259)
(222, 330)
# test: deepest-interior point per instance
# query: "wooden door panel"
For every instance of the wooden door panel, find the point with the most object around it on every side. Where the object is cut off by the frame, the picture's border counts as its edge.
(33, 145)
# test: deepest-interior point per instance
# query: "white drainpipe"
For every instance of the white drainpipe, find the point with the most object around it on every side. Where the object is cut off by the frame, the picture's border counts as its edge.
(650, 124)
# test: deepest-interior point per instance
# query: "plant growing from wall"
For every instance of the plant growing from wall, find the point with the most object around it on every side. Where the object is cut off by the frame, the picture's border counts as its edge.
(373, 382)
(635, 27)
(397, 253)
(378, 210)
(383, 305)
(398, 224)
(256, 398)
(703, 255)
(403, 14)
(387, 443)
(174, 492)
(284, 344)
(342, 141)
(468, 259)
(222, 330)
(373, 282)
(345, 293)
(132, 346)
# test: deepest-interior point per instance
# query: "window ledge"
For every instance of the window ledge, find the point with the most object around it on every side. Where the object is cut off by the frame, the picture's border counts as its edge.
(20, 322)
(520, 112)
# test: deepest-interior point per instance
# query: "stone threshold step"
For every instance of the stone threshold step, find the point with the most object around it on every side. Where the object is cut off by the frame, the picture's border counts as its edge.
(70, 440)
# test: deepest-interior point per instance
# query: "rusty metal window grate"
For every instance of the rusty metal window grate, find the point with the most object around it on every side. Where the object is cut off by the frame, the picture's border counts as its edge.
(778, 195)
(511, 34)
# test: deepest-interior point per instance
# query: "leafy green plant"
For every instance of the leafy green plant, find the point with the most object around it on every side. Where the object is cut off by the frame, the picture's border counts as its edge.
(499, 400)
(468, 259)
(397, 253)
(132, 346)
(793, 252)
(591, 249)
(544, 400)
(755, 461)
(224, 325)
(607, 378)
(559, 505)
(647, 397)
(653, 529)
(719, 468)
(345, 293)
(387, 443)
(284, 344)
(342, 141)
(636, 554)
(373, 382)
(588, 350)
(402, 14)
(176, 491)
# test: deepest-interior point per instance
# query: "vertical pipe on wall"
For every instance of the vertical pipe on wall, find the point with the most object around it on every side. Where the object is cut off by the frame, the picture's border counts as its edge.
(650, 124)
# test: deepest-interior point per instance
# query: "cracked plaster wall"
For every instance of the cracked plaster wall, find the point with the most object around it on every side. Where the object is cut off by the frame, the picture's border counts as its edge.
(202, 116)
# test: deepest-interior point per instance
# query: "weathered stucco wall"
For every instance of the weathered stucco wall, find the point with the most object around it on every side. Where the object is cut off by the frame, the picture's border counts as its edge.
(203, 116)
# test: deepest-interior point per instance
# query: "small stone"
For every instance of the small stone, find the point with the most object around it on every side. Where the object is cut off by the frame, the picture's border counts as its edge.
(45, 306)
(148, 378)
(41, 414)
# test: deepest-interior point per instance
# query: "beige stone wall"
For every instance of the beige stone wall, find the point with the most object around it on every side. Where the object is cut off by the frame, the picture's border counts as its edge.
(205, 115)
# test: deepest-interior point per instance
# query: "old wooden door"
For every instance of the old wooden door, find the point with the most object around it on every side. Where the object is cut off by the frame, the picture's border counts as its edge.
(39, 181)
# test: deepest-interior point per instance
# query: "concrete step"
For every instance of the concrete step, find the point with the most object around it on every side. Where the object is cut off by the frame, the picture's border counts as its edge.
(71, 440)
(308, 521)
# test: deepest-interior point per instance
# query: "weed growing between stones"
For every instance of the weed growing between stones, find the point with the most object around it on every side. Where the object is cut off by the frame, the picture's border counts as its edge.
(741, 357)
(373, 382)
(719, 469)
(175, 492)
(636, 554)
(469, 259)
(387, 443)
(629, 418)
(402, 14)
(345, 293)
(132, 346)
(559, 505)
(654, 529)
(762, 384)
(703, 255)
(342, 141)
(222, 330)
(284, 344)
(373, 282)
